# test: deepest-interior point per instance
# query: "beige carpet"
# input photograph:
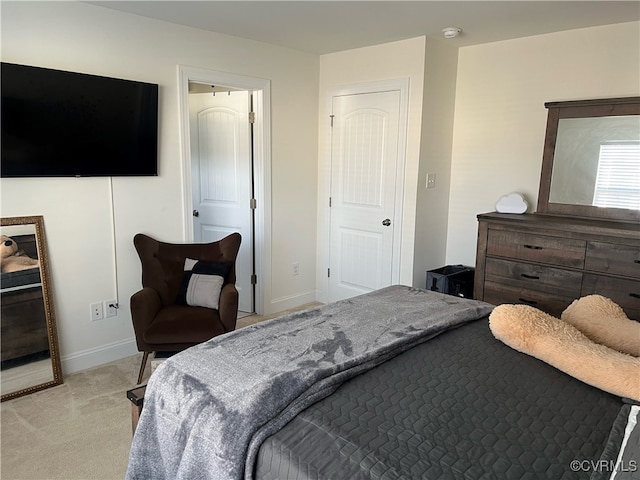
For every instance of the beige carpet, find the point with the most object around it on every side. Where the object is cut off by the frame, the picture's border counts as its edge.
(79, 430)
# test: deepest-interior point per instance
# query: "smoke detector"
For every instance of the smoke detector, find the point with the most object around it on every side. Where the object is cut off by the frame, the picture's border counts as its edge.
(451, 32)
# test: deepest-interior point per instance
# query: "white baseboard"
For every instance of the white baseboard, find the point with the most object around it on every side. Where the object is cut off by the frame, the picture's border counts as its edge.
(110, 352)
(99, 355)
(292, 301)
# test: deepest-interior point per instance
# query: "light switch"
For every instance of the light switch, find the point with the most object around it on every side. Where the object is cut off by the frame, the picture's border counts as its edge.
(431, 180)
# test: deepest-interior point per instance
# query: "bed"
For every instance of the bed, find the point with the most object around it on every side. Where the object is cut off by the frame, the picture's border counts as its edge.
(398, 383)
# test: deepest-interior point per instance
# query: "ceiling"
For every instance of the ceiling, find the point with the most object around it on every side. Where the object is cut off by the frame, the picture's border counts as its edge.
(330, 26)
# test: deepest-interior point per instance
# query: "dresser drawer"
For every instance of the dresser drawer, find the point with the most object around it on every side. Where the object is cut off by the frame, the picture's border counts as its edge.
(497, 294)
(534, 277)
(625, 293)
(613, 258)
(564, 252)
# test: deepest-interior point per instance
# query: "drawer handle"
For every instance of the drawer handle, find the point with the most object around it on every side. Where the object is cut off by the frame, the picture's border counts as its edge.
(530, 277)
(528, 302)
(532, 247)
(634, 295)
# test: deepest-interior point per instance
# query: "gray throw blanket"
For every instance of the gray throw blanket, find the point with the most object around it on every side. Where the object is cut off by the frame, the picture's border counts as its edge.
(208, 409)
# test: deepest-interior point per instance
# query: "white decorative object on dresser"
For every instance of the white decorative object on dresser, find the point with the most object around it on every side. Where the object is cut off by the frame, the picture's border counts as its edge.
(572, 246)
(512, 203)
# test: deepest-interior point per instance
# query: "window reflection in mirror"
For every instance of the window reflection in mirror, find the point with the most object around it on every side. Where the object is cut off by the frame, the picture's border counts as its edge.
(597, 162)
(618, 178)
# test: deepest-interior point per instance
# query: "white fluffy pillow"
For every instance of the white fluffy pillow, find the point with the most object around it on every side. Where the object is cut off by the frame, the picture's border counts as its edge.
(202, 283)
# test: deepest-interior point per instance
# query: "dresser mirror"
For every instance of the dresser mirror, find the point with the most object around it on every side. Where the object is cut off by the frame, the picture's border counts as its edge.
(29, 339)
(591, 159)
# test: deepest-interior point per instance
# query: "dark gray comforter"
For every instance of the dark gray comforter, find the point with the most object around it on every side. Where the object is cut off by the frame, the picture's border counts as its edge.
(462, 406)
(208, 409)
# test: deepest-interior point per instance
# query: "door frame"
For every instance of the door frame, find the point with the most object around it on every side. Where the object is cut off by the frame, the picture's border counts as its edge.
(261, 90)
(324, 174)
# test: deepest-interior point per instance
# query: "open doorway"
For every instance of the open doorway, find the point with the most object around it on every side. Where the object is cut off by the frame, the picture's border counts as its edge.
(226, 162)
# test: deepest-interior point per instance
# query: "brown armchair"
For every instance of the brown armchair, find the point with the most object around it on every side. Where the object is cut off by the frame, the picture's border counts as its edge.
(161, 320)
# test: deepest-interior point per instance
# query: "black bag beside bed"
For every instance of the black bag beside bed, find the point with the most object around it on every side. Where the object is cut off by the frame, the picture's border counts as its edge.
(454, 280)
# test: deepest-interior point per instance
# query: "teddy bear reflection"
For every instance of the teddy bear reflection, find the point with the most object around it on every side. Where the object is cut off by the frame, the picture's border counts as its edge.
(13, 259)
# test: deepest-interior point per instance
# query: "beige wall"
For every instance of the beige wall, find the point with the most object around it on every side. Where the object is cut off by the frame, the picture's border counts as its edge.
(432, 208)
(500, 116)
(403, 59)
(497, 136)
(77, 212)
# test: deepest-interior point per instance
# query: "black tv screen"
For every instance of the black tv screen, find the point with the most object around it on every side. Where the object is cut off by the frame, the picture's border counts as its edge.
(64, 124)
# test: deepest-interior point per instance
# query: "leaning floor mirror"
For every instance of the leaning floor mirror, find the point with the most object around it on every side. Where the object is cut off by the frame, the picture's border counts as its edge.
(29, 338)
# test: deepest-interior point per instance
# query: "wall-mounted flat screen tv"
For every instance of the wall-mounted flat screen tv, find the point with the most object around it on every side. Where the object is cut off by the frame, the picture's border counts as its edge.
(64, 124)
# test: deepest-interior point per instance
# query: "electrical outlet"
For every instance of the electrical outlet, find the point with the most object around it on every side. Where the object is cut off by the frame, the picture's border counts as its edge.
(110, 308)
(296, 268)
(96, 311)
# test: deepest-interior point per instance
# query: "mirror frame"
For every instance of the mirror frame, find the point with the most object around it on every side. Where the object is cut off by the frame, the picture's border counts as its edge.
(52, 332)
(606, 107)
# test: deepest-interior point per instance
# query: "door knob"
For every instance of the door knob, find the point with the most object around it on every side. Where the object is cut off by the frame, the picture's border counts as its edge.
(196, 213)
(386, 222)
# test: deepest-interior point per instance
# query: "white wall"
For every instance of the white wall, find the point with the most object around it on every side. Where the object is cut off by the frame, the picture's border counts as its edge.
(500, 116)
(77, 212)
(395, 60)
(498, 132)
(441, 60)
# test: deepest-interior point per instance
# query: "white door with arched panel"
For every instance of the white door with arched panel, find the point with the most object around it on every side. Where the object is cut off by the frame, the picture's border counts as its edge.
(221, 168)
(365, 150)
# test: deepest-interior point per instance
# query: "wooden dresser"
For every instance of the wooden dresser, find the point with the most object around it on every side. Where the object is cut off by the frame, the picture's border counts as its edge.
(548, 261)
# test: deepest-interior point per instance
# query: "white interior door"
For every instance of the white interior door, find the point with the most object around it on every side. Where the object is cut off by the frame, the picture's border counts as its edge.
(222, 177)
(364, 158)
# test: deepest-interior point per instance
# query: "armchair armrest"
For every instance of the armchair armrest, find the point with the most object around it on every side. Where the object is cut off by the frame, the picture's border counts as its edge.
(228, 306)
(145, 305)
